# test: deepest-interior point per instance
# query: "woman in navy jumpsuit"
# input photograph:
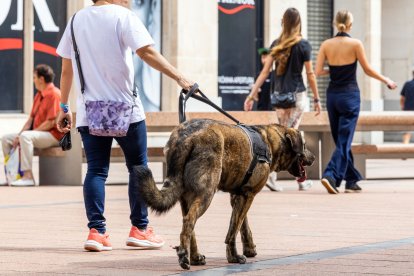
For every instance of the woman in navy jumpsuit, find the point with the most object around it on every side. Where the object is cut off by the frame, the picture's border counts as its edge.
(342, 53)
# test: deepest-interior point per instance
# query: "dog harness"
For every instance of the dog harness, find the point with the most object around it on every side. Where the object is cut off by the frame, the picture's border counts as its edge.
(258, 148)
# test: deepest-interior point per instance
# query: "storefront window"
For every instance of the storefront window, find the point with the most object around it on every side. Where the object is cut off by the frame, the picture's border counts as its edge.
(11, 56)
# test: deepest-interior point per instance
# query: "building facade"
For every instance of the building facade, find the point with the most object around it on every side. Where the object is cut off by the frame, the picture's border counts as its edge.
(190, 40)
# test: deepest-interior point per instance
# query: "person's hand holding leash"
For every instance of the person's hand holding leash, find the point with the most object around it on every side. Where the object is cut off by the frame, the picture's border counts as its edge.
(185, 83)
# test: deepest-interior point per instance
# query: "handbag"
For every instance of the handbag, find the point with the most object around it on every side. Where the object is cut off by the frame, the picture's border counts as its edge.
(105, 118)
(278, 99)
(283, 100)
(66, 142)
(12, 165)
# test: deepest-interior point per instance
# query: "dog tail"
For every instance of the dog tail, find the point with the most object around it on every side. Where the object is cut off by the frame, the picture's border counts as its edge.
(160, 201)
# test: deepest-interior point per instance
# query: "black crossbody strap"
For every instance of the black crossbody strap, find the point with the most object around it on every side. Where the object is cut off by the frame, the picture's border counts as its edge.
(77, 57)
(78, 63)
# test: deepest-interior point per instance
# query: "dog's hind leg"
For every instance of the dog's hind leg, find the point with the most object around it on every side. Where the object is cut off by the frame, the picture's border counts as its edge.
(240, 204)
(249, 248)
(187, 237)
(195, 257)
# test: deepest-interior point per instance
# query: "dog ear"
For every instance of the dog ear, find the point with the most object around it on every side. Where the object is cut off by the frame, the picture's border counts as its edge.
(295, 139)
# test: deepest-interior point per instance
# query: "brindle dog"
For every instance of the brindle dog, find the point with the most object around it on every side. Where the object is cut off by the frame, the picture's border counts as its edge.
(204, 156)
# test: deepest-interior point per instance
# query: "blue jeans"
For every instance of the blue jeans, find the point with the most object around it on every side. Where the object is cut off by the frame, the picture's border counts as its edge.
(98, 152)
(343, 111)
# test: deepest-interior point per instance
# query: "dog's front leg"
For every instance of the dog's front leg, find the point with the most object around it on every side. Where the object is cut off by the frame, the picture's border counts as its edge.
(240, 204)
(249, 248)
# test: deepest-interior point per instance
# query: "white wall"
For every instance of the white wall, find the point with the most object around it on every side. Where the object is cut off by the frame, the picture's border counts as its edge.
(274, 10)
(397, 46)
(367, 28)
(198, 44)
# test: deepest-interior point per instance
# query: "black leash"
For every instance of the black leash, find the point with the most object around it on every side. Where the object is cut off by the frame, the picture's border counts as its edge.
(185, 95)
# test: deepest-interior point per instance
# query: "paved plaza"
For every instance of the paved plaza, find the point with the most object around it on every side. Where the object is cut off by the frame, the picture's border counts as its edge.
(296, 233)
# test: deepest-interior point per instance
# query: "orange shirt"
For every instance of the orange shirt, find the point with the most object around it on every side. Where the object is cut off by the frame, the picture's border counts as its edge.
(46, 107)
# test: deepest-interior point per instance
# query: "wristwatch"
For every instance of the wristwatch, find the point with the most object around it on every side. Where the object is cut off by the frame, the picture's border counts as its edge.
(65, 107)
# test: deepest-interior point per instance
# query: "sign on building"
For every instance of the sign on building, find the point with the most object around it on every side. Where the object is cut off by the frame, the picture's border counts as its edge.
(237, 51)
(49, 24)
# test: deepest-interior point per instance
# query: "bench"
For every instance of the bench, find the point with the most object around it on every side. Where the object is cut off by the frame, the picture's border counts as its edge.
(67, 166)
(317, 131)
(382, 151)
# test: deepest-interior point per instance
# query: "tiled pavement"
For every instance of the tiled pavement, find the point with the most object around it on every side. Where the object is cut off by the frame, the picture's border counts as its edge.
(42, 230)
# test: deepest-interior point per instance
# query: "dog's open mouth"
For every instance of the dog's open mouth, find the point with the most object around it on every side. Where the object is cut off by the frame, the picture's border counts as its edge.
(302, 171)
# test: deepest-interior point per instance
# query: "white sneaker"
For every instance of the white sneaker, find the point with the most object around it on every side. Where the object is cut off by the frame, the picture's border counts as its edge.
(23, 182)
(4, 183)
(271, 183)
(305, 185)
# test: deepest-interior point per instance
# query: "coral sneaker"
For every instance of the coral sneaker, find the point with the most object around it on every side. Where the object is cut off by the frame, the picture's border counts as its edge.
(97, 241)
(147, 238)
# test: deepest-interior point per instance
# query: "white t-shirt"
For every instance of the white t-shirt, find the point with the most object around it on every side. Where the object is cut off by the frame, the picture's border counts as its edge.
(107, 36)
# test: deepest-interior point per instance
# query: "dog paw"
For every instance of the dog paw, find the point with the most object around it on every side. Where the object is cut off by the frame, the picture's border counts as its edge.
(242, 259)
(238, 259)
(198, 259)
(184, 263)
(182, 257)
(249, 252)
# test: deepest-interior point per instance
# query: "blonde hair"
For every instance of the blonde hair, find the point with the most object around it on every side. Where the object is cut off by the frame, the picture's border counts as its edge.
(291, 35)
(343, 20)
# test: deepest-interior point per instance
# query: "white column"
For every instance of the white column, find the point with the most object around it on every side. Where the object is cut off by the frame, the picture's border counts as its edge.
(190, 42)
(371, 88)
(170, 52)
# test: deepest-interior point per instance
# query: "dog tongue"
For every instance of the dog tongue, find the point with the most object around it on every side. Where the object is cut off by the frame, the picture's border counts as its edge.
(302, 172)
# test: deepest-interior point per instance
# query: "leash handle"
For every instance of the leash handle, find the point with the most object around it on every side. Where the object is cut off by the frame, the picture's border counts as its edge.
(203, 98)
(182, 101)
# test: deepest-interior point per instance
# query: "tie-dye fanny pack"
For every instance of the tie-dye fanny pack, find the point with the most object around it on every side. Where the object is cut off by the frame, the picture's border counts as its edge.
(108, 118)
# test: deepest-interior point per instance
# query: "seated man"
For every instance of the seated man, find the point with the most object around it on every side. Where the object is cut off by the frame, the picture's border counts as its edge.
(40, 130)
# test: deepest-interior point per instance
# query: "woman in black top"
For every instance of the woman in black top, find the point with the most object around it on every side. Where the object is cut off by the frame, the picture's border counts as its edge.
(343, 100)
(290, 53)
